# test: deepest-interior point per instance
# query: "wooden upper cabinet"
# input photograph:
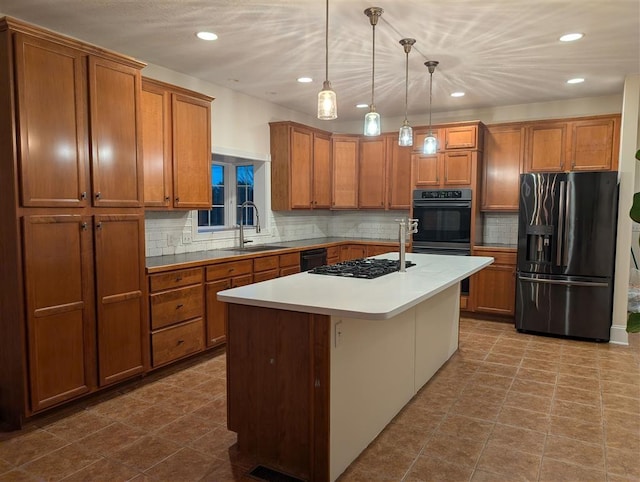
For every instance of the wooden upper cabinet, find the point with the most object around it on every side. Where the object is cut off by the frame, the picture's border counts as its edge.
(345, 172)
(426, 170)
(398, 175)
(114, 112)
(371, 172)
(461, 137)
(321, 170)
(52, 123)
(503, 158)
(300, 167)
(595, 144)
(191, 151)
(176, 146)
(156, 145)
(121, 308)
(59, 293)
(457, 167)
(546, 147)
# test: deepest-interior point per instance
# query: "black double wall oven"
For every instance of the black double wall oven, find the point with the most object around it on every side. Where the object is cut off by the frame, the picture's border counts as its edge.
(444, 223)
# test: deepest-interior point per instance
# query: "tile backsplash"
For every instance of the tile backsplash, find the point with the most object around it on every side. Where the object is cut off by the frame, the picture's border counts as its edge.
(500, 228)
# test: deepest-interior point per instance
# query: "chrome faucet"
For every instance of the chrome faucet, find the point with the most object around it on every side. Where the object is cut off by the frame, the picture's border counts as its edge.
(407, 226)
(242, 206)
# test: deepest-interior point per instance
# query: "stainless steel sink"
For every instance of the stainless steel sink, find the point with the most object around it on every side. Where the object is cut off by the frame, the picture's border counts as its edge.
(253, 249)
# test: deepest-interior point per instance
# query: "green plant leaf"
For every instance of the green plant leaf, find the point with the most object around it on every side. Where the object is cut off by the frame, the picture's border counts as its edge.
(633, 323)
(638, 155)
(634, 213)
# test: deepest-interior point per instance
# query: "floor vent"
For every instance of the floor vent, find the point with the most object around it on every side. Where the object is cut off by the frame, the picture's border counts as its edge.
(263, 473)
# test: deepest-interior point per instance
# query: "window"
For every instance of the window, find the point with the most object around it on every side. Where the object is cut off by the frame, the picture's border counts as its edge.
(232, 183)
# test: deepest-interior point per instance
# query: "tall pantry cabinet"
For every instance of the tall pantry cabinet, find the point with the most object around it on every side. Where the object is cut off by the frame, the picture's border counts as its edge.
(72, 238)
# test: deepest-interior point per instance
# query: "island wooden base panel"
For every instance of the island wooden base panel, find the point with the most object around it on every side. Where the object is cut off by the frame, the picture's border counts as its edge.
(307, 393)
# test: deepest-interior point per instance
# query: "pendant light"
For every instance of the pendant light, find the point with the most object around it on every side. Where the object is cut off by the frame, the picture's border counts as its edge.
(372, 119)
(327, 103)
(405, 136)
(430, 142)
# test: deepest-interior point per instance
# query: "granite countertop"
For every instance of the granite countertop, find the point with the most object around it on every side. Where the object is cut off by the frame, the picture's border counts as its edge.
(372, 299)
(157, 264)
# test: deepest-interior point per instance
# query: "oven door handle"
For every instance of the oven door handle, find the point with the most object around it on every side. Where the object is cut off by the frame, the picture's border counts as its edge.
(441, 204)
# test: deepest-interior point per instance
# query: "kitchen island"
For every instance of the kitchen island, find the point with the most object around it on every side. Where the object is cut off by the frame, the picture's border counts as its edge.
(318, 365)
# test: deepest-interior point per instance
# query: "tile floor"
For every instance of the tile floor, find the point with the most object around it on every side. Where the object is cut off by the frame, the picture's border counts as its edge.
(506, 407)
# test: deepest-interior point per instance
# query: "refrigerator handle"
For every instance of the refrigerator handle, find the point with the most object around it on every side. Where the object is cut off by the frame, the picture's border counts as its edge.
(567, 212)
(594, 284)
(561, 213)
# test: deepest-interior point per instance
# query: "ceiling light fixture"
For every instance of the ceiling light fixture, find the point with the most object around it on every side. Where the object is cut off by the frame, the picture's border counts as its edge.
(372, 119)
(430, 142)
(327, 102)
(571, 37)
(362, 106)
(305, 80)
(405, 136)
(577, 80)
(207, 36)
(457, 94)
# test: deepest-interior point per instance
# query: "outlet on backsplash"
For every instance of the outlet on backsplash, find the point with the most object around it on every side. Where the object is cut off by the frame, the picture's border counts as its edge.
(187, 238)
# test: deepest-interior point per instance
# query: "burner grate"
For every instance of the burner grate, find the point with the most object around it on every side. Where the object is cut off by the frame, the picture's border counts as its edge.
(363, 268)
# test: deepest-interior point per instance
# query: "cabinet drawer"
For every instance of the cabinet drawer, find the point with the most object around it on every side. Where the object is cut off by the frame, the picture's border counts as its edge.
(177, 305)
(243, 280)
(333, 252)
(463, 137)
(227, 270)
(177, 341)
(289, 259)
(174, 279)
(289, 270)
(500, 257)
(265, 275)
(265, 263)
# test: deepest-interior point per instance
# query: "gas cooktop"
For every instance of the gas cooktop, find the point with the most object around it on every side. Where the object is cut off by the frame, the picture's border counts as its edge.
(361, 268)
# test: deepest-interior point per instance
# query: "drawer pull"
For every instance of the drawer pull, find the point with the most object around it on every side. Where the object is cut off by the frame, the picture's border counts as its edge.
(180, 342)
(231, 270)
(179, 306)
(178, 279)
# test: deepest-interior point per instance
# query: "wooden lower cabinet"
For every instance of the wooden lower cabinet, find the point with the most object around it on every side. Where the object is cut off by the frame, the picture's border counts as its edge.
(121, 307)
(352, 251)
(221, 277)
(333, 254)
(278, 388)
(176, 303)
(493, 289)
(289, 263)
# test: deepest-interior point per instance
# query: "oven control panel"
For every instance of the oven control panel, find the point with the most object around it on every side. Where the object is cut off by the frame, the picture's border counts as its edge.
(457, 194)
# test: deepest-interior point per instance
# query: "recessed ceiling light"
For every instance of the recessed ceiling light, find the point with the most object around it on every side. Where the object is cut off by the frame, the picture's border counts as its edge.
(570, 37)
(362, 106)
(457, 94)
(577, 80)
(207, 36)
(305, 80)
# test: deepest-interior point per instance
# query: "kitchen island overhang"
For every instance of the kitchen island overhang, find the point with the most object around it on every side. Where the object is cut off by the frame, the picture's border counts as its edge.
(318, 365)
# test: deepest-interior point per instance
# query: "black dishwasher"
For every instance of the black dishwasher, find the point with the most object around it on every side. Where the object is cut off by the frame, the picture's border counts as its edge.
(312, 258)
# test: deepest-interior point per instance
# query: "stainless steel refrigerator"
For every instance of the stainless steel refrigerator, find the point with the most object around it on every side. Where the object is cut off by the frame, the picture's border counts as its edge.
(566, 250)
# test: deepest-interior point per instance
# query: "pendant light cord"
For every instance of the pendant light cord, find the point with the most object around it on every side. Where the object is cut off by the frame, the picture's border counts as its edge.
(430, 90)
(326, 43)
(406, 85)
(373, 64)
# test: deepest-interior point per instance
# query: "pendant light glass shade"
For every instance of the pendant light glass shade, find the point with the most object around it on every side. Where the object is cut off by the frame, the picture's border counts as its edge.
(327, 101)
(430, 142)
(405, 135)
(372, 123)
(372, 118)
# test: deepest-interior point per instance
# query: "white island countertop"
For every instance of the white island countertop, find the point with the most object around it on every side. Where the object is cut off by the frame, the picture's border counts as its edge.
(374, 299)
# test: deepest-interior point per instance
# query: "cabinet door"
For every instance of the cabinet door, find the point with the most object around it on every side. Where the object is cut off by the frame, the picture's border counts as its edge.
(301, 168)
(216, 312)
(399, 175)
(52, 112)
(462, 137)
(546, 147)
(371, 182)
(114, 108)
(495, 289)
(457, 168)
(119, 245)
(156, 145)
(592, 145)
(321, 171)
(425, 170)
(191, 152)
(345, 173)
(503, 155)
(59, 298)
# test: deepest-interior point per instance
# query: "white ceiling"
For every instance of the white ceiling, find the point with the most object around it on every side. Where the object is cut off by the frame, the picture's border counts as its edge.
(500, 52)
